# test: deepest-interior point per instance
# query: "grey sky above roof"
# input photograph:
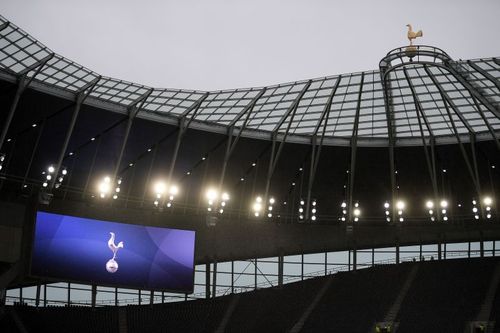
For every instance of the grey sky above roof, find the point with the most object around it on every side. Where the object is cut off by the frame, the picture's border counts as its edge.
(229, 44)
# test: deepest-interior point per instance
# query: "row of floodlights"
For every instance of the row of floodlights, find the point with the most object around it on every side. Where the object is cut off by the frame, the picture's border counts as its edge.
(164, 196)
(401, 205)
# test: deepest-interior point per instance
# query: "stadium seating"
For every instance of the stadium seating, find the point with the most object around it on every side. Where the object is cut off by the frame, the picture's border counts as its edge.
(443, 297)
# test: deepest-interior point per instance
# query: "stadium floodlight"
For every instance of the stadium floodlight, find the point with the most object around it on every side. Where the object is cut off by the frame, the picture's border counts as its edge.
(400, 205)
(343, 205)
(160, 189)
(2, 159)
(313, 210)
(387, 212)
(104, 187)
(475, 210)
(51, 174)
(357, 213)
(444, 205)
(257, 206)
(270, 207)
(214, 198)
(488, 202)
(429, 204)
(301, 209)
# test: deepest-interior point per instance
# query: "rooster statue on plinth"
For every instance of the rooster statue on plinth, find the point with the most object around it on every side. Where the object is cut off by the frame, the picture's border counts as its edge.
(411, 50)
(412, 34)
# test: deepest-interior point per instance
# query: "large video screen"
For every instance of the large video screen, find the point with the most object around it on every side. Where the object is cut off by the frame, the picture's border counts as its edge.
(110, 253)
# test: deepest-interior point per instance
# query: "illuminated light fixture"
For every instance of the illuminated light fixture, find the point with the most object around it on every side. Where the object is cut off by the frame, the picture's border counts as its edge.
(213, 198)
(293, 184)
(444, 206)
(188, 173)
(387, 212)
(149, 150)
(300, 169)
(254, 164)
(131, 164)
(203, 158)
(301, 209)
(357, 213)
(161, 189)
(487, 203)
(343, 205)
(444, 170)
(92, 139)
(104, 187)
(430, 206)
(51, 174)
(34, 125)
(270, 207)
(400, 205)
(475, 210)
(117, 188)
(242, 179)
(257, 206)
(313, 210)
(2, 159)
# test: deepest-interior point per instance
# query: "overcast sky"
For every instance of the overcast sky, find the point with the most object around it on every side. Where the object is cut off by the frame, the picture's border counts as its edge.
(208, 45)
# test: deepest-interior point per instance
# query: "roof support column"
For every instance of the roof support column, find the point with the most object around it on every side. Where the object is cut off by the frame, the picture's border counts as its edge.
(80, 98)
(133, 110)
(231, 143)
(430, 164)
(23, 83)
(183, 126)
(447, 104)
(316, 149)
(485, 74)
(473, 91)
(275, 154)
(354, 146)
(390, 133)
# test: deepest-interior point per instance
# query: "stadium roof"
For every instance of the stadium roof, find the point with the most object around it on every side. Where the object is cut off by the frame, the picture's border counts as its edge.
(433, 97)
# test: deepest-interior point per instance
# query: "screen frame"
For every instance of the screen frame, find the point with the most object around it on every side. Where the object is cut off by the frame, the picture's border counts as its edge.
(96, 283)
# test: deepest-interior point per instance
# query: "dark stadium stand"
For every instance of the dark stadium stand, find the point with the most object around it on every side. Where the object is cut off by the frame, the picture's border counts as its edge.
(356, 300)
(192, 316)
(273, 309)
(444, 297)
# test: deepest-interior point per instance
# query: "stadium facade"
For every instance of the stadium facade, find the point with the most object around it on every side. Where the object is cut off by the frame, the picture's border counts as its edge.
(307, 178)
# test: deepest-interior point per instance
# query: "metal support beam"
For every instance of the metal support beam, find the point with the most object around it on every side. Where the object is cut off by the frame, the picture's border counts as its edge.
(23, 83)
(386, 86)
(430, 164)
(80, 98)
(275, 154)
(487, 123)
(133, 110)
(473, 91)
(231, 143)
(354, 145)
(447, 103)
(183, 126)
(93, 295)
(485, 74)
(214, 280)
(207, 280)
(13, 107)
(316, 149)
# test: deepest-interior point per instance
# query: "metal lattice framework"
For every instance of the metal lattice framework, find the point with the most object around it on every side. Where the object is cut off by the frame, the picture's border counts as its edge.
(406, 100)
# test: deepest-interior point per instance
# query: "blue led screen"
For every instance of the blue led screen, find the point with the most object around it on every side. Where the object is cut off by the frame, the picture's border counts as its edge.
(110, 253)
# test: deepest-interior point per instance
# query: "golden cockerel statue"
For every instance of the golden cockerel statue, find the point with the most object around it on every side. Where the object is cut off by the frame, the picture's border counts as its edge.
(413, 35)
